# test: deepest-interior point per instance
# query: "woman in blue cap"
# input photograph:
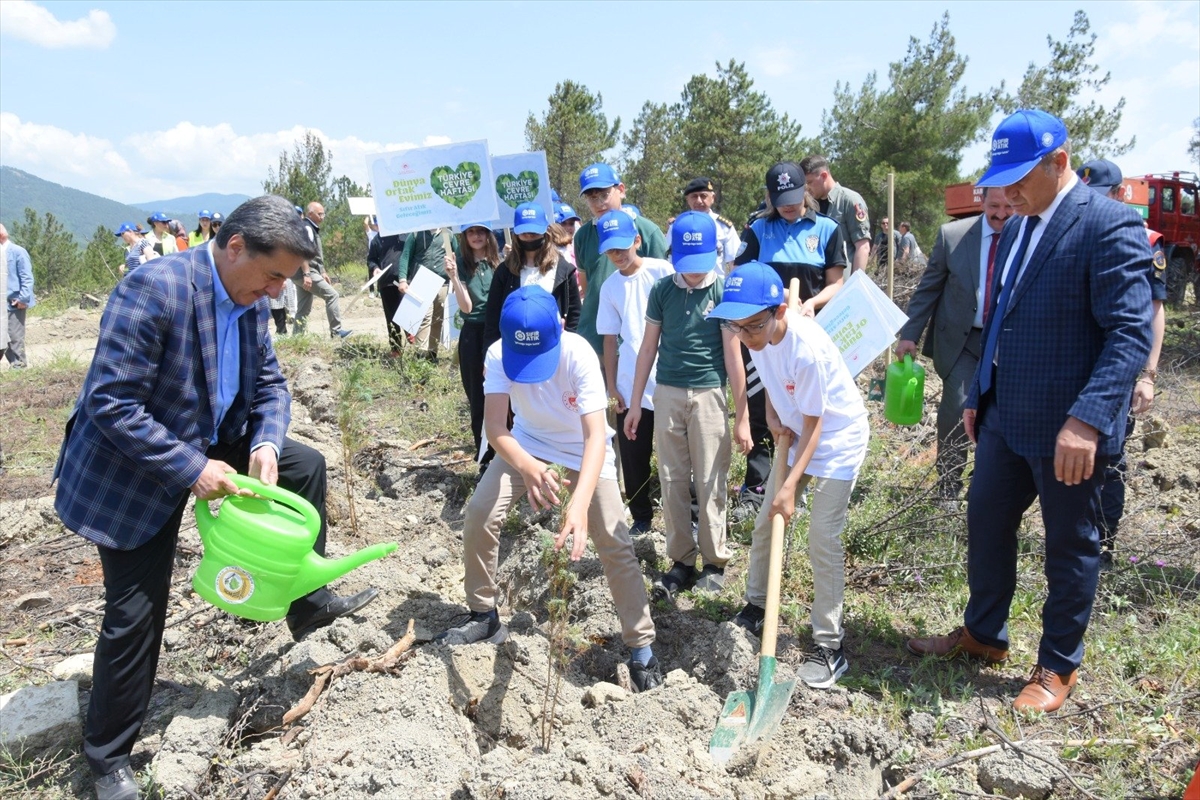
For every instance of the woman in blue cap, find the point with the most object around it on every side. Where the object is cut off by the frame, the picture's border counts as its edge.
(477, 261)
(533, 259)
(203, 231)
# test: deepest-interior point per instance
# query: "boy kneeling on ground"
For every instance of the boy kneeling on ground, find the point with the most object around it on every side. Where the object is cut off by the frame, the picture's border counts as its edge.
(553, 380)
(811, 392)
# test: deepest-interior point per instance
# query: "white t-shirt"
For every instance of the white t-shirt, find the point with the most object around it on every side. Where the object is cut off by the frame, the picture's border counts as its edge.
(805, 375)
(622, 313)
(531, 276)
(546, 415)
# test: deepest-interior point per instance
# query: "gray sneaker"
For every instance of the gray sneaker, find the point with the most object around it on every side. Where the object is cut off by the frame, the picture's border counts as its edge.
(822, 667)
(477, 626)
(645, 677)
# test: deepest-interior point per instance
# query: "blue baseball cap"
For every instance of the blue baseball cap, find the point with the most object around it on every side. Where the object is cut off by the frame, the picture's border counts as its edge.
(749, 289)
(1101, 175)
(597, 176)
(564, 213)
(694, 242)
(617, 231)
(1019, 143)
(126, 226)
(159, 216)
(529, 218)
(217, 216)
(554, 198)
(204, 213)
(631, 209)
(530, 335)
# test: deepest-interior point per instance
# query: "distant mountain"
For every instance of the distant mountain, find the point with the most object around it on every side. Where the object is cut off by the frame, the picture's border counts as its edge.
(180, 207)
(79, 212)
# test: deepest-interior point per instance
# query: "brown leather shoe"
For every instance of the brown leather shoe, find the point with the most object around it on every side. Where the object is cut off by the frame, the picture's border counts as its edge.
(1046, 690)
(959, 642)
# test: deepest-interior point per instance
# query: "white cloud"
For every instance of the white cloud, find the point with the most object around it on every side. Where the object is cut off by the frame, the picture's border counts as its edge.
(182, 160)
(23, 19)
(775, 62)
(1165, 28)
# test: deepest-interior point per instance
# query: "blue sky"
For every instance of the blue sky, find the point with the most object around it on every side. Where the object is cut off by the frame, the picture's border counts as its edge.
(142, 101)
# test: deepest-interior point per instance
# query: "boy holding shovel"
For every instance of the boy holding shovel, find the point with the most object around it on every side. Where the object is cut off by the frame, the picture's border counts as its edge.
(811, 393)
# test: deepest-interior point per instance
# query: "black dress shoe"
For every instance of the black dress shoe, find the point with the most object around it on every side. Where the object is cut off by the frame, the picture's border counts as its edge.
(118, 785)
(337, 607)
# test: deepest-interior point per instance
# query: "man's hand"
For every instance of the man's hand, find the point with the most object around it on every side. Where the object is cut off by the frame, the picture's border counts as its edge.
(307, 282)
(264, 465)
(905, 347)
(212, 483)
(1075, 452)
(784, 502)
(969, 415)
(741, 436)
(17, 304)
(1143, 397)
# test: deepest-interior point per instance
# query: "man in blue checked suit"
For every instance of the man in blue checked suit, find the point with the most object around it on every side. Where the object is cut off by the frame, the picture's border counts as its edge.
(184, 388)
(1066, 334)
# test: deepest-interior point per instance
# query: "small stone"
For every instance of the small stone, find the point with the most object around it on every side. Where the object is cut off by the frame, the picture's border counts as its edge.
(437, 556)
(922, 725)
(28, 602)
(601, 693)
(37, 719)
(172, 639)
(77, 668)
(411, 519)
(1012, 774)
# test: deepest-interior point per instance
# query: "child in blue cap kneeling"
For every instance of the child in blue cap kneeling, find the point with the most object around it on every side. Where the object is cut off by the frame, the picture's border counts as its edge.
(553, 380)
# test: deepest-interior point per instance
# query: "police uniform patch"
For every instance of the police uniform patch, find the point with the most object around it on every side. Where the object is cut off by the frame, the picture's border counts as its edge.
(1160, 264)
(860, 212)
(811, 243)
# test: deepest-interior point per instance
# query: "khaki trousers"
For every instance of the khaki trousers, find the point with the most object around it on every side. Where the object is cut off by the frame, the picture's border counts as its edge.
(691, 434)
(429, 335)
(827, 519)
(500, 487)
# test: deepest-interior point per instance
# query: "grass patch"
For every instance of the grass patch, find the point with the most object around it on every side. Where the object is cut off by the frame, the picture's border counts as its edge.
(34, 404)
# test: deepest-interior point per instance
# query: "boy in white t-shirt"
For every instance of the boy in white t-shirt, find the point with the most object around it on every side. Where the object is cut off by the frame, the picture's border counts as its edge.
(552, 379)
(811, 392)
(621, 320)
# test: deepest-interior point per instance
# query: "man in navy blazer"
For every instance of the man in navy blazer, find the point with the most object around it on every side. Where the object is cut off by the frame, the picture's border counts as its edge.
(184, 388)
(1067, 331)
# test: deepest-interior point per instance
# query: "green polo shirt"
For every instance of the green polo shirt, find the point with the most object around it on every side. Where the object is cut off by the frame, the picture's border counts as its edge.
(690, 352)
(477, 284)
(596, 268)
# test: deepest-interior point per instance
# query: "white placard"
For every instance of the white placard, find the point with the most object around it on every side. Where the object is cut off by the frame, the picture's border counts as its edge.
(362, 206)
(432, 187)
(422, 291)
(861, 320)
(452, 320)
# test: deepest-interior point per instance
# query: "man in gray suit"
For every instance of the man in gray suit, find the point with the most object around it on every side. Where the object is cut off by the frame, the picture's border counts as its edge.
(951, 293)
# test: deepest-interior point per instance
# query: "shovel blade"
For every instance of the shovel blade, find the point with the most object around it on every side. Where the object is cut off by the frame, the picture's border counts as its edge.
(731, 727)
(771, 700)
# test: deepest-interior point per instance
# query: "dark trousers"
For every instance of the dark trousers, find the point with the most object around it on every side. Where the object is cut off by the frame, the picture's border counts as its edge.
(1002, 488)
(952, 439)
(137, 585)
(1112, 495)
(471, 351)
(280, 317)
(635, 465)
(758, 460)
(390, 295)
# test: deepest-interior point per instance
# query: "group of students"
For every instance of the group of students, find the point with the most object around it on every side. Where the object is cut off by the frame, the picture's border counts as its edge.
(659, 340)
(165, 236)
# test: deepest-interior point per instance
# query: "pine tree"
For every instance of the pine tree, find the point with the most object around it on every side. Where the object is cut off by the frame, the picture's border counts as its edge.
(574, 132)
(53, 251)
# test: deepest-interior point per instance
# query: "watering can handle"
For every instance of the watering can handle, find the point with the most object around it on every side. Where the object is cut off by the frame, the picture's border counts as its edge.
(312, 519)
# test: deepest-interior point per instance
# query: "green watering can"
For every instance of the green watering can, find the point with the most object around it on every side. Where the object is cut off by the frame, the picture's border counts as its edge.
(258, 554)
(904, 392)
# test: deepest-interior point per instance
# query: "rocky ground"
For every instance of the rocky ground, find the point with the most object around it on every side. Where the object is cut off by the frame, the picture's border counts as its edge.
(468, 722)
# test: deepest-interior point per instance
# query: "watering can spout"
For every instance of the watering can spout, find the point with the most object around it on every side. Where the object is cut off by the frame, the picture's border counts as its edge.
(316, 571)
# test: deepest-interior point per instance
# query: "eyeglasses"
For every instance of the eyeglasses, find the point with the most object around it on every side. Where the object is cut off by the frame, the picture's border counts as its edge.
(751, 328)
(597, 195)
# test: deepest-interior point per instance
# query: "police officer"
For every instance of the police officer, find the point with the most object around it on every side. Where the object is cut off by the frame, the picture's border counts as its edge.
(846, 206)
(700, 195)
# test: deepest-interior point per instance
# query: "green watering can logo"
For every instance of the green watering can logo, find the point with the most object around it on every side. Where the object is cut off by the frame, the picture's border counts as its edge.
(258, 554)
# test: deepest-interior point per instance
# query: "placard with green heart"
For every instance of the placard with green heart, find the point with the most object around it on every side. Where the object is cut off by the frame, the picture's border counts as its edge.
(517, 189)
(456, 185)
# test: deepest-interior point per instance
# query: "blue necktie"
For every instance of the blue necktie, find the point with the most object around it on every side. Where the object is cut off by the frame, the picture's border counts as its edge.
(987, 367)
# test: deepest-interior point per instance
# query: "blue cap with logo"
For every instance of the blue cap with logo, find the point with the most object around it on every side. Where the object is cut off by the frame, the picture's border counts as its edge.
(617, 231)
(529, 218)
(159, 216)
(694, 242)
(631, 209)
(1101, 175)
(785, 184)
(204, 213)
(563, 213)
(554, 198)
(126, 226)
(530, 335)
(597, 176)
(1019, 143)
(217, 216)
(749, 289)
